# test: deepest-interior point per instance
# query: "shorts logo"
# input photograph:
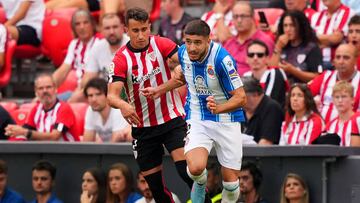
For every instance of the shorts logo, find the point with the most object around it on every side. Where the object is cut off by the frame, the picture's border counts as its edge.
(211, 72)
(200, 86)
(134, 146)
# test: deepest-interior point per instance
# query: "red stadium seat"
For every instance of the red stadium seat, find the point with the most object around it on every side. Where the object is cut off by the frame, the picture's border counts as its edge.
(5, 73)
(272, 14)
(155, 11)
(9, 106)
(2, 15)
(20, 115)
(57, 34)
(79, 111)
(27, 106)
(70, 83)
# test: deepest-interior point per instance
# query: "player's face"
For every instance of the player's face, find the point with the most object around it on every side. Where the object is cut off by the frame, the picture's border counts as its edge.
(293, 189)
(290, 28)
(112, 29)
(139, 33)
(242, 18)
(246, 182)
(343, 101)
(345, 60)
(96, 98)
(354, 35)
(256, 57)
(89, 184)
(45, 90)
(196, 46)
(144, 187)
(297, 100)
(83, 27)
(41, 181)
(117, 181)
(3, 181)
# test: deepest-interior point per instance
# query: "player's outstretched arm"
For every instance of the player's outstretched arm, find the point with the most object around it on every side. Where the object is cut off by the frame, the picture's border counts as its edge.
(176, 81)
(237, 100)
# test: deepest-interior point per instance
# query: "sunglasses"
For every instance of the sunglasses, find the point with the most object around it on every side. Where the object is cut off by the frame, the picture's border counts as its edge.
(252, 54)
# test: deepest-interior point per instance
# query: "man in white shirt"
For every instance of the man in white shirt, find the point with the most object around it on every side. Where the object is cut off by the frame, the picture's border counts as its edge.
(103, 123)
(3, 40)
(24, 20)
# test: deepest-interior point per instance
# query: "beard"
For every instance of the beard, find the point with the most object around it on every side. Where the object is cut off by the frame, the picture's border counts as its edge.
(113, 41)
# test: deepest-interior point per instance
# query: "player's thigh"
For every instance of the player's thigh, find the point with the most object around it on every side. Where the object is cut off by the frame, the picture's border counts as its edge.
(174, 133)
(229, 175)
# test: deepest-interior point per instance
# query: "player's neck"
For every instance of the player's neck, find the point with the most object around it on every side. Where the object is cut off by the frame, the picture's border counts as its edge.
(257, 74)
(333, 8)
(43, 198)
(345, 116)
(243, 36)
(105, 113)
(251, 197)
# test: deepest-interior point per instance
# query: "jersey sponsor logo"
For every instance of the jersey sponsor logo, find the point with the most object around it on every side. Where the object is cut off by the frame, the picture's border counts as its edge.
(210, 71)
(152, 56)
(301, 58)
(137, 80)
(109, 71)
(233, 74)
(200, 86)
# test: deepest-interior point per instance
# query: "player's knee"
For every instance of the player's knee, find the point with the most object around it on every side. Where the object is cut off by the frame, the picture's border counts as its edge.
(195, 170)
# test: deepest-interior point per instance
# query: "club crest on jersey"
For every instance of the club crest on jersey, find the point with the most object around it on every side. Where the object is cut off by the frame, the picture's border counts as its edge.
(200, 86)
(152, 56)
(300, 58)
(210, 71)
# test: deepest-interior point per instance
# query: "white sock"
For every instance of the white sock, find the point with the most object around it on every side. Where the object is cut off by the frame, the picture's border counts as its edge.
(231, 192)
(200, 179)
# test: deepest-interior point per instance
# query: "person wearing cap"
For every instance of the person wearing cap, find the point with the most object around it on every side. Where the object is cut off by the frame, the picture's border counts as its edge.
(264, 115)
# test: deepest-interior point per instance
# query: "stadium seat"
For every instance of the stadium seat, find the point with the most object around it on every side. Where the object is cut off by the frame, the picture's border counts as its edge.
(272, 14)
(79, 111)
(5, 73)
(2, 15)
(20, 115)
(27, 106)
(155, 11)
(69, 84)
(9, 106)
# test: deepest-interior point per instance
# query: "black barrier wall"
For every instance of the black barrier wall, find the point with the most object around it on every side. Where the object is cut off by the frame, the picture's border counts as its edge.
(331, 172)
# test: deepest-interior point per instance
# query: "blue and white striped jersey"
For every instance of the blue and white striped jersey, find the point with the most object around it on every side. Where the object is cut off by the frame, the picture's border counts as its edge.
(216, 75)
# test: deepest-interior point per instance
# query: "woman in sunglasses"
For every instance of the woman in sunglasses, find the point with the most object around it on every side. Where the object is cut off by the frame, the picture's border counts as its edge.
(303, 123)
(296, 50)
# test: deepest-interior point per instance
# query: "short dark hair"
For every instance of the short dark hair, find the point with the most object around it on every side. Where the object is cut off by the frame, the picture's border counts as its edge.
(44, 165)
(254, 171)
(137, 14)
(355, 20)
(252, 85)
(3, 167)
(197, 27)
(260, 43)
(97, 83)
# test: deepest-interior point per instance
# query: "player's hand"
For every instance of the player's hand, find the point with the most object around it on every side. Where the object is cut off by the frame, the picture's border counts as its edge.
(282, 41)
(14, 130)
(130, 115)
(211, 104)
(150, 92)
(286, 66)
(85, 197)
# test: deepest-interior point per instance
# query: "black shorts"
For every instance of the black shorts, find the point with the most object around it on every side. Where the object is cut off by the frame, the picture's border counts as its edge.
(149, 141)
(27, 35)
(94, 5)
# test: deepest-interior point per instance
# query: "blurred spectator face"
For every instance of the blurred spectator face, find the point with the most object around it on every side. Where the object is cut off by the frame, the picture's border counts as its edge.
(196, 46)
(3, 181)
(256, 57)
(167, 6)
(295, 5)
(83, 27)
(117, 181)
(144, 187)
(246, 182)
(290, 29)
(343, 101)
(242, 18)
(41, 181)
(89, 184)
(297, 100)
(112, 29)
(293, 189)
(45, 90)
(330, 2)
(138, 33)
(345, 59)
(96, 98)
(354, 35)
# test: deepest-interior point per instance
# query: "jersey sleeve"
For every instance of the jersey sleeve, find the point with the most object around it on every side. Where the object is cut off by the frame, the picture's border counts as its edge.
(355, 123)
(314, 60)
(70, 53)
(315, 84)
(89, 125)
(167, 47)
(317, 129)
(30, 121)
(117, 70)
(65, 118)
(229, 77)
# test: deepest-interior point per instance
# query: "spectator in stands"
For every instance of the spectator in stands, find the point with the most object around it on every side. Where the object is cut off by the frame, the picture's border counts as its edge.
(112, 6)
(24, 20)
(43, 180)
(294, 189)
(220, 19)
(92, 5)
(7, 195)
(272, 80)
(5, 120)
(264, 115)
(300, 5)
(49, 119)
(102, 120)
(3, 41)
(345, 69)
(83, 26)
(244, 22)
(345, 123)
(354, 35)
(173, 23)
(121, 185)
(214, 183)
(303, 123)
(93, 186)
(250, 178)
(296, 50)
(331, 25)
(103, 51)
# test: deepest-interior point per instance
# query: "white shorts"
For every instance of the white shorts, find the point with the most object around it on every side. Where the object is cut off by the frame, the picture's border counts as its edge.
(225, 137)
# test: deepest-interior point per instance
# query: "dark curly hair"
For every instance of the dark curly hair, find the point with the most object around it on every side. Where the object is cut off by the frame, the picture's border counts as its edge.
(308, 99)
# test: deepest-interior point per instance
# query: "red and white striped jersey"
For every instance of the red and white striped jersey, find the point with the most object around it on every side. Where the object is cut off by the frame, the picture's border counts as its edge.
(322, 86)
(147, 67)
(60, 117)
(324, 25)
(302, 132)
(356, 125)
(211, 19)
(343, 129)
